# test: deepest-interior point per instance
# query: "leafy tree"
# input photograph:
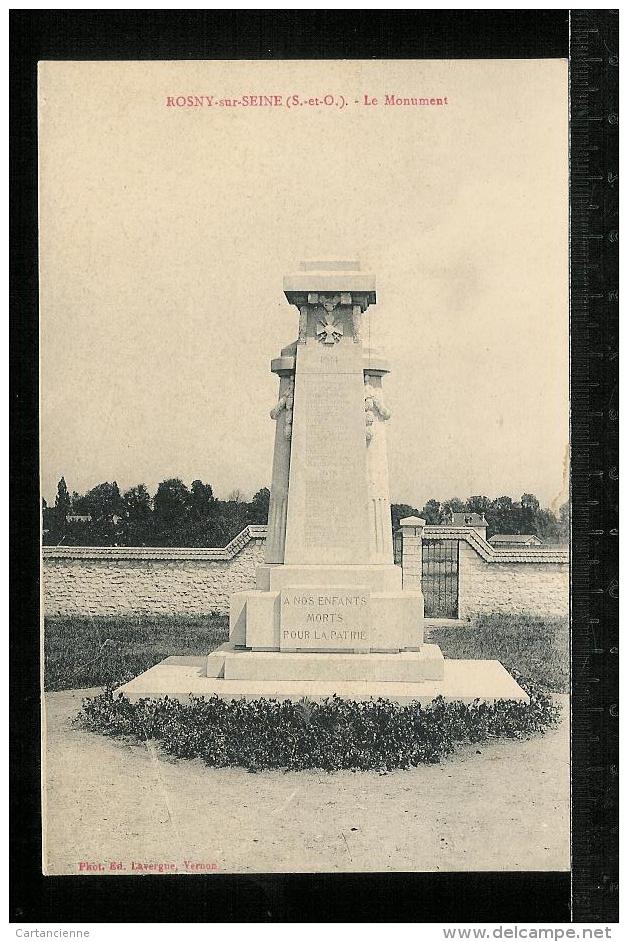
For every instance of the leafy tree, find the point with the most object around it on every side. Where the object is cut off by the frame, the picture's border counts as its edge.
(90, 533)
(547, 527)
(62, 503)
(137, 503)
(478, 505)
(171, 501)
(399, 511)
(258, 508)
(78, 504)
(501, 518)
(564, 521)
(138, 524)
(528, 514)
(49, 526)
(105, 506)
(529, 501)
(502, 505)
(452, 506)
(104, 502)
(224, 526)
(235, 517)
(202, 498)
(432, 512)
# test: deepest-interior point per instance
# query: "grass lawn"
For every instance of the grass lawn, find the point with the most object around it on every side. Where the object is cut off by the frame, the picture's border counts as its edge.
(82, 651)
(537, 647)
(95, 652)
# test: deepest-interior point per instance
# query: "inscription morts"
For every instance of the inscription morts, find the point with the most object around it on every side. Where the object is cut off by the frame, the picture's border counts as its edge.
(324, 526)
(325, 618)
(327, 421)
(327, 517)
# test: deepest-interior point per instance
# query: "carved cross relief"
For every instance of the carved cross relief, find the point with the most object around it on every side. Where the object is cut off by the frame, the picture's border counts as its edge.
(329, 329)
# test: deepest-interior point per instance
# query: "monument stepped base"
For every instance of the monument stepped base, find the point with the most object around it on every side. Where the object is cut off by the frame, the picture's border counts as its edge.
(464, 681)
(407, 666)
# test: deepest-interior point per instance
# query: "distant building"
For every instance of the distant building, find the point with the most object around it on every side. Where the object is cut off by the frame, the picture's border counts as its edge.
(465, 518)
(79, 518)
(515, 539)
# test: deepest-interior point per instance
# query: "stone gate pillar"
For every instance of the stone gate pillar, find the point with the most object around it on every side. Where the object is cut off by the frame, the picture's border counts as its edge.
(412, 552)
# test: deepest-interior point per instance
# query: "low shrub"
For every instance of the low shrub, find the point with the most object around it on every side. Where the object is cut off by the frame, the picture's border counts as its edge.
(331, 735)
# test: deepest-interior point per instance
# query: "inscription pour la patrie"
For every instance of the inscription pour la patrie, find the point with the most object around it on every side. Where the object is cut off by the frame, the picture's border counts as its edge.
(325, 619)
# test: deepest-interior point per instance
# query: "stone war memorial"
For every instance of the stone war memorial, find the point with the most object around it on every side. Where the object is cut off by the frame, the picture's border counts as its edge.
(329, 614)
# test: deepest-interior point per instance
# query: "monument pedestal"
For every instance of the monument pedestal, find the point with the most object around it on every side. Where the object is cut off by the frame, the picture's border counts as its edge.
(387, 621)
(329, 615)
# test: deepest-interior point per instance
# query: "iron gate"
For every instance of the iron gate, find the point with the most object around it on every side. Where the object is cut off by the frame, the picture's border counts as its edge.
(440, 578)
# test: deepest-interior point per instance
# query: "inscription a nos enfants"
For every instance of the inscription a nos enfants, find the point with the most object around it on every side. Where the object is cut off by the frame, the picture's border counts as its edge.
(325, 619)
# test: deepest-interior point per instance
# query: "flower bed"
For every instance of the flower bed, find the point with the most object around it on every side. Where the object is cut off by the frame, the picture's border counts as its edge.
(334, 734)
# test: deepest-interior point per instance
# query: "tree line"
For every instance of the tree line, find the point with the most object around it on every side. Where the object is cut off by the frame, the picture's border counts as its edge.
(178, 515)
(502, 515)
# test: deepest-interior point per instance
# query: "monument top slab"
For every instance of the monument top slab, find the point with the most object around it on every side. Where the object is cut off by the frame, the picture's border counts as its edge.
(341, 275)
(329, 264)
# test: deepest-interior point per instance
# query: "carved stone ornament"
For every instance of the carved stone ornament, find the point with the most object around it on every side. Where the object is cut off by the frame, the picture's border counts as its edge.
(373, 406)
(329, 303)
(285, 402)
(328, 330)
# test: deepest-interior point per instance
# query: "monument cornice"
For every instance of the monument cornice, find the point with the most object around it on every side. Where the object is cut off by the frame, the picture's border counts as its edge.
(299, 288)
(328, 277)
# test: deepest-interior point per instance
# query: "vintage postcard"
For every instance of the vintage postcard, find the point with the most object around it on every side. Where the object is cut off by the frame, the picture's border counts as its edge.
(304, 466)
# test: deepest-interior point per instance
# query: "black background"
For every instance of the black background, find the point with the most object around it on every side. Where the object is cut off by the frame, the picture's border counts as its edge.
(439, 897)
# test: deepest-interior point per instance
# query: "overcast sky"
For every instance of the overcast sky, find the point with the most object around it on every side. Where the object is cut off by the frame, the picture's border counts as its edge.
(165, 234)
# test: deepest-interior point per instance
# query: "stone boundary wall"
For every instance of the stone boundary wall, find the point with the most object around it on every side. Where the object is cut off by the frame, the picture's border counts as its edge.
(132, 580)
(524, 581)
(116, 580)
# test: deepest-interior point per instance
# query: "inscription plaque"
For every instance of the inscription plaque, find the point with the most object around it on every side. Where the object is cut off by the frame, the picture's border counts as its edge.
(324, 618)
